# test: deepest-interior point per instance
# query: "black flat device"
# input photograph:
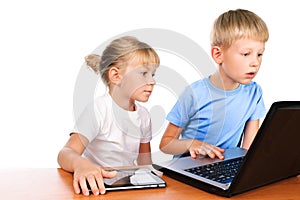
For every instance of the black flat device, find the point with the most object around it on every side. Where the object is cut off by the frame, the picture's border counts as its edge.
(273, 156)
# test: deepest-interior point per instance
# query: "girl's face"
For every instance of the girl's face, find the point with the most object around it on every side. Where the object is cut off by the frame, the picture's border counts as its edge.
(137, 81)
(242, 60)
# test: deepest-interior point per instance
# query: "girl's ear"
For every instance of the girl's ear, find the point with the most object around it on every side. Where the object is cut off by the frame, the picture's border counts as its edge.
(114, 75)
(217, 54)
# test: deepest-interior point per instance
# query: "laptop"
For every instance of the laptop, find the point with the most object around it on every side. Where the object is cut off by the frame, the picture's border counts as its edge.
(134, 177)
(273, 156)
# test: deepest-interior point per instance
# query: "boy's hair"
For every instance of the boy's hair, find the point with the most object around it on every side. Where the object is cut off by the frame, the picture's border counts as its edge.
(236, 24)
(118, 53)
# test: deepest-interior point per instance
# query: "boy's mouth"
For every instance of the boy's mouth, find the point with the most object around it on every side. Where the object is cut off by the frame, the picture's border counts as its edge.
(251, 74)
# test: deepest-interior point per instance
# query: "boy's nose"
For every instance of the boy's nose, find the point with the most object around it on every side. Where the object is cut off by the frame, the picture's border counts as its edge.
(255, 62)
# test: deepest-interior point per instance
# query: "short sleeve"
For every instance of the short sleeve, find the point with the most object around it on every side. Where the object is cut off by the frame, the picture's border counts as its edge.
(88, 124)
(146, 125)
(183, 109)
(147, 134)
(260, 110)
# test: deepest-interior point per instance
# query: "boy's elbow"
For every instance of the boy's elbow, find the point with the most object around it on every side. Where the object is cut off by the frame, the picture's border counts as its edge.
(161, 147)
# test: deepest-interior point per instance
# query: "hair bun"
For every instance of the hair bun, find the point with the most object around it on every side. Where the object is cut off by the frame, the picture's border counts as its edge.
(93, 61)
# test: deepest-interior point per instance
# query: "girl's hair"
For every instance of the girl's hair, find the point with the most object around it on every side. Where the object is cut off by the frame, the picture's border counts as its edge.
(236, 24)
(118, 53)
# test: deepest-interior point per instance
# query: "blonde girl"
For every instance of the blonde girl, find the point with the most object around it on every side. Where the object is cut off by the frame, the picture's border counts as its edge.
(113, 130)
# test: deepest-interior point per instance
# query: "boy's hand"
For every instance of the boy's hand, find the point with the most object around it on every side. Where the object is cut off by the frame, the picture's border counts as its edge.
(93, 175)
(203, 148)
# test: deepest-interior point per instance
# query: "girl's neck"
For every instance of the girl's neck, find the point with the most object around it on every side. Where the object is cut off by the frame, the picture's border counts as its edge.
(222, 83)
(125, 103)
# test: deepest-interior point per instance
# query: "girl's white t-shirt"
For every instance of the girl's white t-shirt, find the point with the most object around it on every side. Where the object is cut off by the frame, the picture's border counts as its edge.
(114, 134)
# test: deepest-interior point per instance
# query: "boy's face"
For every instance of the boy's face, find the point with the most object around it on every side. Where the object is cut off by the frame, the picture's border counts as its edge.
(242, 60)
(137, 81)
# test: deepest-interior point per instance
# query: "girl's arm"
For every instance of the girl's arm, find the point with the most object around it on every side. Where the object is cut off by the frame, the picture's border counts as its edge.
(144, 157)
(70, 154)
(70, 159)
(171, 144)
(250, 131)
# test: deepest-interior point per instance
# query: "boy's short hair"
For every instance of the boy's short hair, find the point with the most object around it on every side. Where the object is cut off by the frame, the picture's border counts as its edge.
(236, 24)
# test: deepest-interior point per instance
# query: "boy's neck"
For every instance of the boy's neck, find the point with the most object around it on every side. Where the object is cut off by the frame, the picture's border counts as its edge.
(221, 83)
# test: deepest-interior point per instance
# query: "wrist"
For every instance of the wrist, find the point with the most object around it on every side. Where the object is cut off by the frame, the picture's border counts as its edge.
(78, 162)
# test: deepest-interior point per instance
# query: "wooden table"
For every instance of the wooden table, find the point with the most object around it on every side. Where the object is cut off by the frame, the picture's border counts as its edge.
(56, 184)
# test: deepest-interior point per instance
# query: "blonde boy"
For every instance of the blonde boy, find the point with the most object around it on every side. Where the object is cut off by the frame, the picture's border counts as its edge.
(214, 113)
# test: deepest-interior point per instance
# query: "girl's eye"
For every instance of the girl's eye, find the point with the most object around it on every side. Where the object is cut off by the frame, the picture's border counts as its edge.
(259, 55)
(153, 75)
(144, 73)
(245, 54)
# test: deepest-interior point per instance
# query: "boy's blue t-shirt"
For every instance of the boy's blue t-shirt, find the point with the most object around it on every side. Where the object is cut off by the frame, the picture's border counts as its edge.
(216, 116)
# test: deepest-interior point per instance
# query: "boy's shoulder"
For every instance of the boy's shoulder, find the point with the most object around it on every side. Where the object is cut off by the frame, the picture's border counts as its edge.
(199, 83)
(252, 85)
(252, 88)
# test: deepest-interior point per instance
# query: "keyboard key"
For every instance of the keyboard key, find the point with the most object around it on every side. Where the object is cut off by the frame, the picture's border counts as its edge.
(223, 171)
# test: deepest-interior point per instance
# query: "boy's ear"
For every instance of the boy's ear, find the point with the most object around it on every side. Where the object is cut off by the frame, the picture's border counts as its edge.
(114, 75)
(217, 54)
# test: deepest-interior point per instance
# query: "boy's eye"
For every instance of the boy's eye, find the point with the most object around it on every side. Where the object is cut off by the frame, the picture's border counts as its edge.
(245, 54)
(259, 55)
(153, 75)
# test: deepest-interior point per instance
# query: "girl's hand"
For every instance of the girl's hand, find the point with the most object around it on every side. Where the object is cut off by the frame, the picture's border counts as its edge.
(202, 148)
(93, 175)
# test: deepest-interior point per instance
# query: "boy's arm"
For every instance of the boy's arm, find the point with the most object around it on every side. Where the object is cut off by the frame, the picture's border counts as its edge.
(144, 157)
(250, 131)
(171, 144)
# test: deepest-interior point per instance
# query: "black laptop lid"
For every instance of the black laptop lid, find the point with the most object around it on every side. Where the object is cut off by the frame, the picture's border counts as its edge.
(275, 152)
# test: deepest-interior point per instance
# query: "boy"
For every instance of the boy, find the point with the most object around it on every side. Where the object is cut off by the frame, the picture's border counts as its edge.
(215, 113)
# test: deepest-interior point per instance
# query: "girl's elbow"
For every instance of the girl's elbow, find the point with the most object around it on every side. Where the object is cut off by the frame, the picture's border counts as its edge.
(162, 147)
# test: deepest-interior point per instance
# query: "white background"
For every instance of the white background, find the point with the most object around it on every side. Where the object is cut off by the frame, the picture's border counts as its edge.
(43, 45)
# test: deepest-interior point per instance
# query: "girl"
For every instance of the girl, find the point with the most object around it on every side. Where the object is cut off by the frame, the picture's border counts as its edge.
(113, 130)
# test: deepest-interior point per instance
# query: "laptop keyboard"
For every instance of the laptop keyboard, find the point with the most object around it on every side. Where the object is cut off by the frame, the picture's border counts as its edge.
(222, 172)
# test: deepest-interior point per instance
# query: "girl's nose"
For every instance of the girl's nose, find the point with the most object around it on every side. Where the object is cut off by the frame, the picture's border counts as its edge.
(151, 80)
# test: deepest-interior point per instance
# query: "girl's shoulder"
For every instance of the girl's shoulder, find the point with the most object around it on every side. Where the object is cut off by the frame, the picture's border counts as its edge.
(101, 103)
(142, 110)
